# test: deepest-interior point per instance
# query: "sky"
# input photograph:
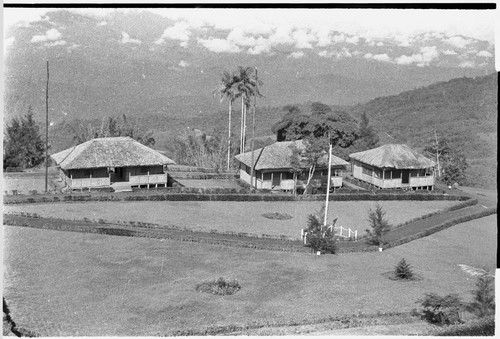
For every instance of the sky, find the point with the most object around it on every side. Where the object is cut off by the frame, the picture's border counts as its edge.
(258, 31)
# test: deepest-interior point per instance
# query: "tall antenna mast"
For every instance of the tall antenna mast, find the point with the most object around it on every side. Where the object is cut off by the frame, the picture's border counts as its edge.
(47, 130)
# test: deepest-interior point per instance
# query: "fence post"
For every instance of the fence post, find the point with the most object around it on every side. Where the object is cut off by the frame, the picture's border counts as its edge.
(356, 235)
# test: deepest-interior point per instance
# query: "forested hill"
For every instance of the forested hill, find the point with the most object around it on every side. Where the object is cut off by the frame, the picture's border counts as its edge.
(462, 110)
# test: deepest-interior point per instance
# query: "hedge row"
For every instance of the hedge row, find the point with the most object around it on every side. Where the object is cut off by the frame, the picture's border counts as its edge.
(455, 207)
(335, 322)
(441, 227)
(157, 196)
(61, 225)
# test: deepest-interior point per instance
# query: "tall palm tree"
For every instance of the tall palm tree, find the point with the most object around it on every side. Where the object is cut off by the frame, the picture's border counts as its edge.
(227, 90)
(246, 88)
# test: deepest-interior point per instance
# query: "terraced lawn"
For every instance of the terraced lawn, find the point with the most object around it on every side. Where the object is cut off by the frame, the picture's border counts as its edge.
(234, 216)
(69, 284)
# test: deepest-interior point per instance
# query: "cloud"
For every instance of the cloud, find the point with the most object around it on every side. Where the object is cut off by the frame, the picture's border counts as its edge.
(240, 38)
(458, 41)
(343, 53)
(467, 64)
(424, 58)
(296, 55)
(127, 40)
(219, 45)
(303, 39)
(379, 57)
(183, 64)
(180, 31)
(102, 23)
(352, 40)
(449, 52)
(55, 43)
(8, 42)
(51, 35)
(485, 54)
(72, 47)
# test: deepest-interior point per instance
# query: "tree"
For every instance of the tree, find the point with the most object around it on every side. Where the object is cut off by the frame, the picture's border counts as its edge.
(379, 224)
(368, 138)
(227, 90)
(403, 270)
(246, 87)
(441, 310)
(484, 297)
(279, 128)
(437, 149)
(23, 145)
(112, 127)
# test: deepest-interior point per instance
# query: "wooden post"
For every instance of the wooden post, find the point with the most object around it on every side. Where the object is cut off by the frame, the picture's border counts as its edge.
(47, 131)
(328, 182)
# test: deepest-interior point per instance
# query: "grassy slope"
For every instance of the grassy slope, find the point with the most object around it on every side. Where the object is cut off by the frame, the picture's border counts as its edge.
(234, 216)
(61, 283)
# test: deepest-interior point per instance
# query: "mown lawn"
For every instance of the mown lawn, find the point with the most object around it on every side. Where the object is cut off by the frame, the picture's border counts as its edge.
(63, 283)
(234, 216)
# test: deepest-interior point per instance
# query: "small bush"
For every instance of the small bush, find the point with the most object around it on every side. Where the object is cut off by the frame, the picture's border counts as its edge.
(403, 270)
(380, 226)
(319, 237)
(219, 286)
(441, 310)
(482, 327)
(484, 297)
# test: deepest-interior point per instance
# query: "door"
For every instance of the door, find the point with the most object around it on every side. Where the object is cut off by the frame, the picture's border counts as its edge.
(276, 179)
(405, 176)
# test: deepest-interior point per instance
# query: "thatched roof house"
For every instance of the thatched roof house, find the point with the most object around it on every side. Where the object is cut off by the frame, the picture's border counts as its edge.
(393, 166)
(101, 162)
(273, 166)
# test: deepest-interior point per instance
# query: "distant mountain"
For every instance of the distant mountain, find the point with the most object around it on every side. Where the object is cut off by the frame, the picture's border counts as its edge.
(463, 110)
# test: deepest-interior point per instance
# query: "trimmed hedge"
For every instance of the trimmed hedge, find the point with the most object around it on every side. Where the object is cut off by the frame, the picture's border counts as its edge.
(156, 195)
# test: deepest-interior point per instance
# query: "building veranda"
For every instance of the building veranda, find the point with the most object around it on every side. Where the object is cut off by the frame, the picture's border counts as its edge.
(393, 166)
(105, 162)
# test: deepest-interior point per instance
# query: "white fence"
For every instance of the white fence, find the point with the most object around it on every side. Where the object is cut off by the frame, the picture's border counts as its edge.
(337, 230)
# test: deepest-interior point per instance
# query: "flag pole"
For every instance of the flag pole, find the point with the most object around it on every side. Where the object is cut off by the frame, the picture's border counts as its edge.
(47, 130)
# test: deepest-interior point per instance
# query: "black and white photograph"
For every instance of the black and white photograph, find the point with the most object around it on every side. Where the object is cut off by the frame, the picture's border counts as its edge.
(217, 169)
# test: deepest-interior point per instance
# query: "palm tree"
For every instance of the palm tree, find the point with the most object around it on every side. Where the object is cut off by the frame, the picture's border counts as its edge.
(246, 87)
(227, 90)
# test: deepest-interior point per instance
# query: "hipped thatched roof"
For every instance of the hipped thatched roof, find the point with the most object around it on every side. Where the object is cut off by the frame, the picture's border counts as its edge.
(109, 152)
(278, 156)
(393, 156)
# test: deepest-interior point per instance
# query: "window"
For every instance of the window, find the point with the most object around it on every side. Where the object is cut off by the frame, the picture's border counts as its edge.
(287, 175)
(267, 176)
(366, 170)
(378, 173)
(429, 171)
(387, 174)
(396, 174)
(413, 173)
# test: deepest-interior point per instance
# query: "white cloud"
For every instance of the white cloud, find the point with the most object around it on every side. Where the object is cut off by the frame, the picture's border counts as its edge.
(379, 57)
(102, 23)
(343, 53)
(449, 52)
(352, 40)
(51, 35)
(8, 42)
(183, 64)
(126, 39)
(338, 38)
(467, 64)
(240, 38)
(219, 45)
(55, 43)
(323, 36)
(485, 54)
(180, 31)
(424, 58)
(458, 41)
(296, 55)
(303, 39)
(72, 47)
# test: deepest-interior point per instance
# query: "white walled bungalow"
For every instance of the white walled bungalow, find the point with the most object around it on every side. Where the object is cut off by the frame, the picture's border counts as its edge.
(273, 169)
(103, 162)
(393, 166)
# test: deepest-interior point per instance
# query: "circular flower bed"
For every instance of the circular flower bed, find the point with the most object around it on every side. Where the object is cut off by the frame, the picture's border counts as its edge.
(277, 216)
(219, 286)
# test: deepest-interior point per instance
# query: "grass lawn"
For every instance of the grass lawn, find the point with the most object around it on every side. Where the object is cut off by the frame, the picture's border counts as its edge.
(234, 216)
(68, 284)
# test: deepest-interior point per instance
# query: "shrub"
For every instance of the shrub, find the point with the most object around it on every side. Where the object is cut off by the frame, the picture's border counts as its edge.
(441, 310)
(484, 297)
(403, 270)
(319, 237)
(380, 226)
(219, 286)
(482, 327)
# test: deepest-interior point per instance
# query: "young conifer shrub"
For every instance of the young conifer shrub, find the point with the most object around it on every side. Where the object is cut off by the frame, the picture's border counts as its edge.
(484, 297)
(379, 224)
(403, 270)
